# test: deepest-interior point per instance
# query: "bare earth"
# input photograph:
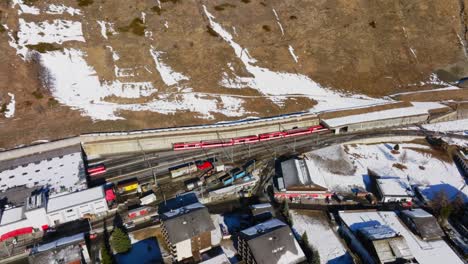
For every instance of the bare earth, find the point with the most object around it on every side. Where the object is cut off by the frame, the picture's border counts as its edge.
(368, 47)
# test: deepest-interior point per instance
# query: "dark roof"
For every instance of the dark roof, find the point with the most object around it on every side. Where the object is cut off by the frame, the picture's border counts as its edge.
(273, 242)
(425, 224)
(187, 222)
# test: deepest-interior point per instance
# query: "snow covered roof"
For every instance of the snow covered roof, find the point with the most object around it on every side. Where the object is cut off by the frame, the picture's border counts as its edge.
(273, 242)
(425, 252)
(377, 232)
(68, 200)
(394, 187)
(12, 215)
(296, 173)
(415, 110)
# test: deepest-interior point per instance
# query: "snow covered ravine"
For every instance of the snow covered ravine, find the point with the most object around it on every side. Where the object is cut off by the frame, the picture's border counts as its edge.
(281, 83)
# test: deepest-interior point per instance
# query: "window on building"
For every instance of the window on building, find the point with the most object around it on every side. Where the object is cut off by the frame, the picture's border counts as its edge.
(49, 168)
(12, 176)
(25, 173)
(69, 210)
(38, 170)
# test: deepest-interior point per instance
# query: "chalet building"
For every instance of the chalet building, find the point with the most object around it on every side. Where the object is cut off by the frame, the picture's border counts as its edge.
(188, 231)
(422, 223)
(269, 242)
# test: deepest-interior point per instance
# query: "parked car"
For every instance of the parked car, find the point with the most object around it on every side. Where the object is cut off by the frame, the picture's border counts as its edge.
(129, 225)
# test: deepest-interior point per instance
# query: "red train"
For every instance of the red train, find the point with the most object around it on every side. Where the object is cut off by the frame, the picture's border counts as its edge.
(249, 139)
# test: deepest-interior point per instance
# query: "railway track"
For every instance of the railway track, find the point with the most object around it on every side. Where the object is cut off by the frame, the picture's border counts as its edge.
(162, 161)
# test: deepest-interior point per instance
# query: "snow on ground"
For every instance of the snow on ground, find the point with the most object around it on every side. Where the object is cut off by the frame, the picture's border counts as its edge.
(422, 169)
(59, 31)
(60, 9)
(418, 108)
(293, 55)
(321, 237)
(425, 252)
(10, 108)
(278, 22)
(281, 83)
(77, 85)
(168, 75)
(102, 25)
(23, 8)
(456, 125)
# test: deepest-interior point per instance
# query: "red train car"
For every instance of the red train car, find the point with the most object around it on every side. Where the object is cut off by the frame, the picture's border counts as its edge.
(270, 136)
(245, 140)
(96, 170)
(250, 139)
(190, 145)
(216, 143)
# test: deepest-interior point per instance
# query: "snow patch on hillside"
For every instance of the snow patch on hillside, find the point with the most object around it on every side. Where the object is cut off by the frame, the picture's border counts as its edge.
(26, 9)
(11, 106)
(59, 31)
(60, 9)
(280, 83)
(293, 55)
(168, 75)
(77, 85)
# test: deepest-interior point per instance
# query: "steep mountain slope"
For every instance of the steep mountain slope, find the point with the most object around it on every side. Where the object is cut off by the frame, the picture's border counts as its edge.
(85, 65)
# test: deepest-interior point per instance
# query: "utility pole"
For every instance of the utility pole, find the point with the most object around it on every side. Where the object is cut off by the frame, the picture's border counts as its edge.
(147, 161)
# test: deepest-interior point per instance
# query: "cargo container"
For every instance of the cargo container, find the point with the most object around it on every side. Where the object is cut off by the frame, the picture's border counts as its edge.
(128, 186)
(145, 200)
(193, 183)
(183, 169)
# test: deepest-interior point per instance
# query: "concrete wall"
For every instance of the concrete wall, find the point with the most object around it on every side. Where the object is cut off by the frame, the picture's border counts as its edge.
(96, 145)
(393, 122)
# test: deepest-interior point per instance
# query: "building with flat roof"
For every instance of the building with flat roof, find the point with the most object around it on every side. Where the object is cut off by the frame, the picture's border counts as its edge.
(67, 250)
(393, 189)
(24, 219)
(187, 228)
(60, 169)
(422, 223)
(380, 116)
(296, 180)
(270, 242)
(381, 237)
(73, 206)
